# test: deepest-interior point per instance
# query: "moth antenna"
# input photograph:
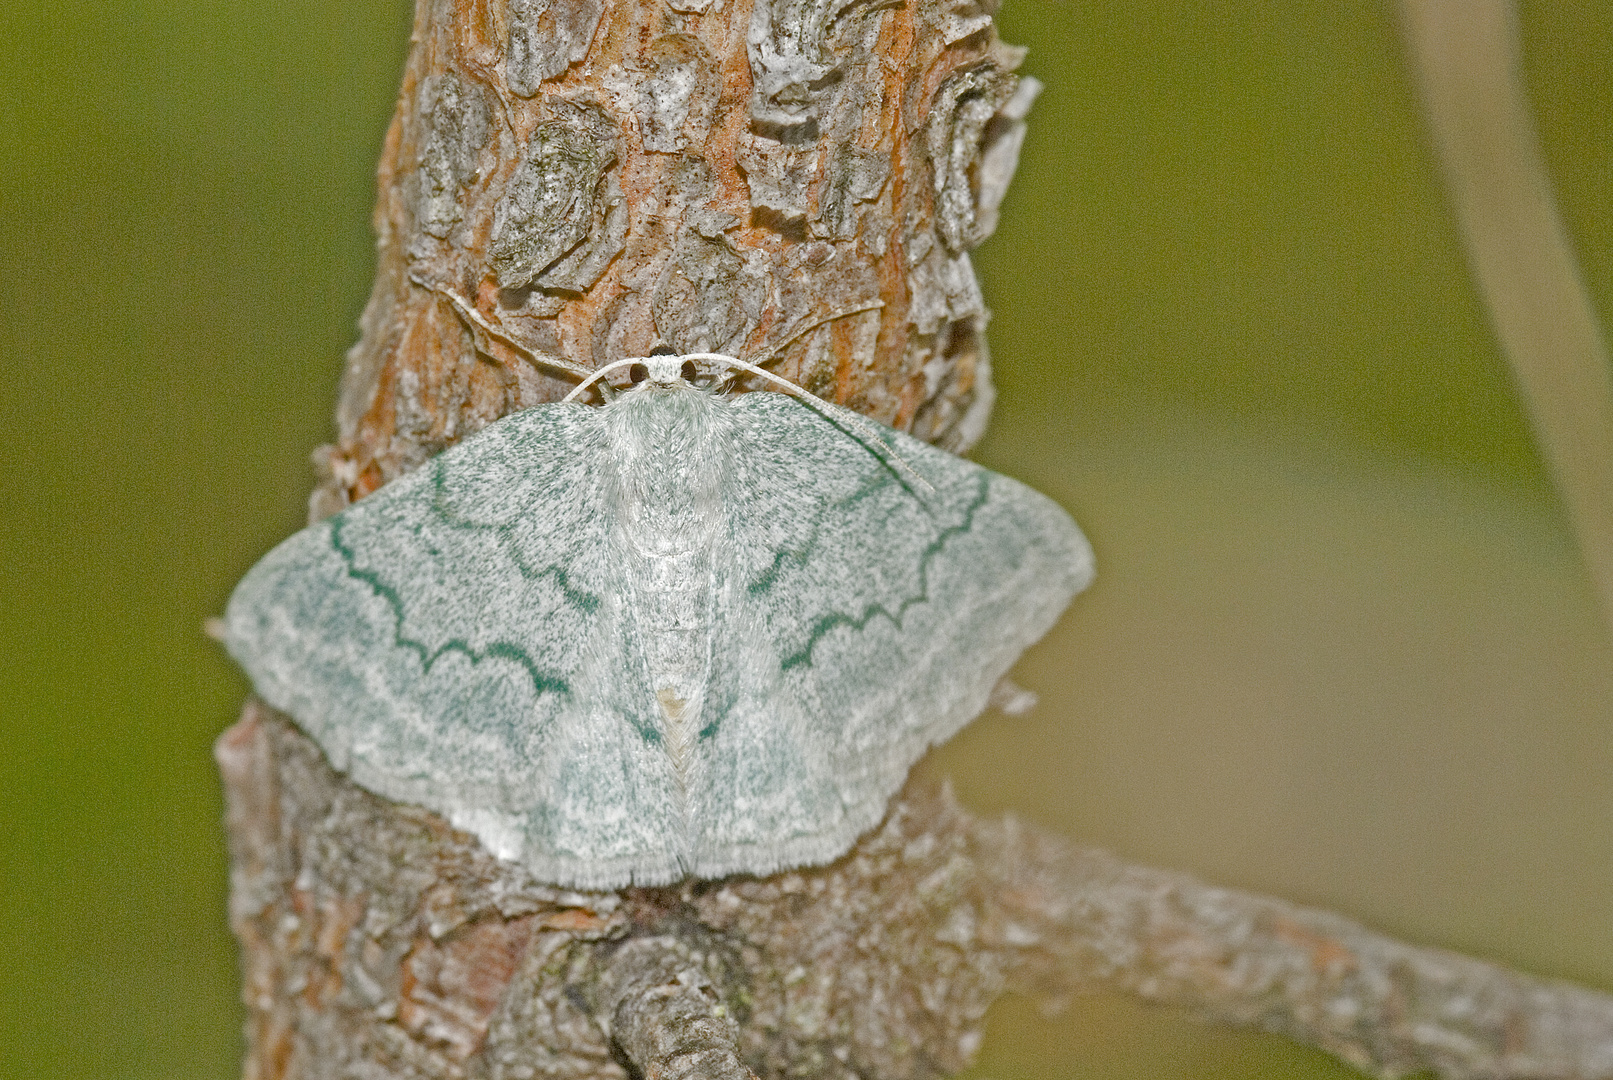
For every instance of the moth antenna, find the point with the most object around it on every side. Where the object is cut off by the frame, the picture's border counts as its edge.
(818, 405)
(767, 354)
(590, 377)
(599, 373)
(471, 315)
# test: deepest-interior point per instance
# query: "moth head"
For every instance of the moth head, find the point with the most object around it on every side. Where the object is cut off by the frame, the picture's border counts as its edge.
(664, 369)
(703, 371)
(667, 369)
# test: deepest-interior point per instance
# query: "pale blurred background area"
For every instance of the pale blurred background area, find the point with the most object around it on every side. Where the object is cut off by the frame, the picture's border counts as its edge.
(1341, 648)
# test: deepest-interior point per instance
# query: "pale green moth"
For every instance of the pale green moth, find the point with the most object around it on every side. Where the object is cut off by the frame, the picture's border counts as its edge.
(679, 634)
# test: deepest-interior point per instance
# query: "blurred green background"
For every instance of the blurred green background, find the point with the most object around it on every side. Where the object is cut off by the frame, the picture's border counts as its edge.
(1340, 648)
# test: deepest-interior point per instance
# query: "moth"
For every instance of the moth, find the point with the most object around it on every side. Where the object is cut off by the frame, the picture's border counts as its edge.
(682, 633)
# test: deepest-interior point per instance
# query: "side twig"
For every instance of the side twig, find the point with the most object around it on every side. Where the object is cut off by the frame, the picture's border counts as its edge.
(419, 955)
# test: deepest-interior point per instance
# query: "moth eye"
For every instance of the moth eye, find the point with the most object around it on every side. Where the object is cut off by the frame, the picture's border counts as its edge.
(637, 373)
(688, 371)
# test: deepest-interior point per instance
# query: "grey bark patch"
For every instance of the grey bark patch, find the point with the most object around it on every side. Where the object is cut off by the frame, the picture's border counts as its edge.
(957, 380)
(585, 264)
(675, 88)
(698, 307)
(856, 176)
(959, 134)
(778, 177)
(558, 199)
(792, 65)
(999, 156)
(955, 20)
(705, 298)
(542, 1027)
(547, 37)
(695, 287)
(942, 286)
(457, 129)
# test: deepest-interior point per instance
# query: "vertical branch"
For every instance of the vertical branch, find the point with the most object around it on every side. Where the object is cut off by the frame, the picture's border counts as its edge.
(568, 182)
(1465, 53)
(565, 183)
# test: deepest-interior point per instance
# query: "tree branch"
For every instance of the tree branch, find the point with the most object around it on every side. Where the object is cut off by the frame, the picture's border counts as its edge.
(571, 181)
(566, 182)
(374, 933)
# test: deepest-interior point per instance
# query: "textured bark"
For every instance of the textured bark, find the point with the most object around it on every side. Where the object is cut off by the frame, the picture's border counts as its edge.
(567, 182)
(379, 942)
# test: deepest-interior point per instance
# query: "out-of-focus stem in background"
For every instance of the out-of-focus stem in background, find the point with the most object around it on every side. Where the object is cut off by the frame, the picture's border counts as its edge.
(1466, 58)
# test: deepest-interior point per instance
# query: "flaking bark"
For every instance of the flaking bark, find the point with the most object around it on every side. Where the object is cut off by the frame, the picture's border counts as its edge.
(567, 182)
